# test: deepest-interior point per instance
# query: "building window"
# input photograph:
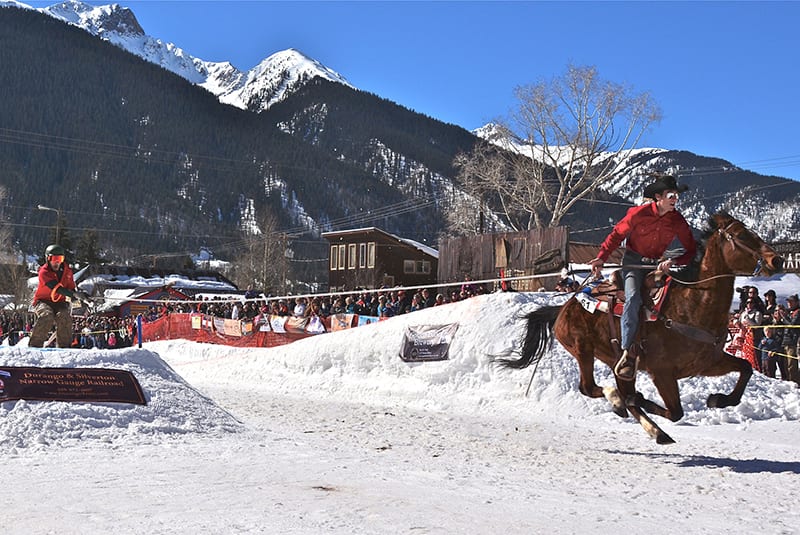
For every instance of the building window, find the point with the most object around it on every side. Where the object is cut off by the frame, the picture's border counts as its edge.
(408, 266)
(371, 254)
(423, 266)
(351, 256)
(362, 255)
(341, 257)
(334, 257)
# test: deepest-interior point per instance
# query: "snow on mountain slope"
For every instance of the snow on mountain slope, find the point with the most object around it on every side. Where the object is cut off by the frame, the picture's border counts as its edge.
(269, 82)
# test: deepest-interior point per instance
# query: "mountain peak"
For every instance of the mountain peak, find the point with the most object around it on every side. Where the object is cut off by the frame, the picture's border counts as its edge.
(97, 19)
(272, 80)
(299, 63)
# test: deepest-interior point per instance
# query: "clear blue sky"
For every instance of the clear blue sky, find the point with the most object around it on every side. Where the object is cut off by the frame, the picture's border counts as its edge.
(726, 74)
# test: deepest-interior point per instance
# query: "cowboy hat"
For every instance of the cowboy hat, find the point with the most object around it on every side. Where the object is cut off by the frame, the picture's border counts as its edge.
(663, 183)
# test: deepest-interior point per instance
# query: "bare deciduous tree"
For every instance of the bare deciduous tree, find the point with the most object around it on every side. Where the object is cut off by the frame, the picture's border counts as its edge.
(263, 263)
(564, 140)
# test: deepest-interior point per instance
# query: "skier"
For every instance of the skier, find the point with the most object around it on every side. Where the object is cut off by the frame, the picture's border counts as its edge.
(49, 303)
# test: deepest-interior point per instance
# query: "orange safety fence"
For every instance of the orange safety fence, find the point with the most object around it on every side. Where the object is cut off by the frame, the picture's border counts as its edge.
(267, 331)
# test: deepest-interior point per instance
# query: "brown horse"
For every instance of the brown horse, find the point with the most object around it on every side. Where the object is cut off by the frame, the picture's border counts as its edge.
(685, 341)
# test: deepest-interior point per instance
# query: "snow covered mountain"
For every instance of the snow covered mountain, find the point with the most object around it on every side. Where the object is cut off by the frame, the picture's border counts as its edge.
(411, 157)
(269, 82)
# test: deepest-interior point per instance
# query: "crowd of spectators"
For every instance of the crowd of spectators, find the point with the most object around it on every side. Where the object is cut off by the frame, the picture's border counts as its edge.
(766, 333)
(88, 331)
(377, 303)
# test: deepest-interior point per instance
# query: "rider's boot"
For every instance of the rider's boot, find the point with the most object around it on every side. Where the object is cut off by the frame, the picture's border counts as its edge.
(625, 368)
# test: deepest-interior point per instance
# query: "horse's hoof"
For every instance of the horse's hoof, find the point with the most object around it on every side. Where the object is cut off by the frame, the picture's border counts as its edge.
(716, 401)
(663, 438)
(617, 404)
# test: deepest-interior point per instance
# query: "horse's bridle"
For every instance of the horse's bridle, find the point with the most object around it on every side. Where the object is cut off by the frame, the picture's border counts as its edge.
(735, 242)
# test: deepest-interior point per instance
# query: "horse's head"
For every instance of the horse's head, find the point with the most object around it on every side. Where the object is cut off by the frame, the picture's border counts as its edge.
(744, 252)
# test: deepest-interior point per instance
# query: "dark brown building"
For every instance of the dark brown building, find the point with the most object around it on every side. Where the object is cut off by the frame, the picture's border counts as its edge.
(371, 258)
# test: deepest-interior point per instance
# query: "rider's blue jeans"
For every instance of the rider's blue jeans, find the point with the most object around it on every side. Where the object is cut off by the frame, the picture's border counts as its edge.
(629, 322)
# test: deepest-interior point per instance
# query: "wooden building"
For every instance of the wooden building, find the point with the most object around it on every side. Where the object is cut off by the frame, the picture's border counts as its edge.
(371, 258)
(514, 254)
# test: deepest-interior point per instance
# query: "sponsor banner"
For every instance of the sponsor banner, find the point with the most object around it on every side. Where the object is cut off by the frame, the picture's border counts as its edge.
(247, 328)
(340, 322)
(70, 384)
(262, 323)
(197, 322)
(367, 320)
(232, 327)
(295, 325)
(424, 343)
(315, 325)
(218, 324)
(277, 323)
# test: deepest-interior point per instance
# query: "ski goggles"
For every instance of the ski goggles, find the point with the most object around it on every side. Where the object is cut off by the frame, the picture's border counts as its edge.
(56, 258)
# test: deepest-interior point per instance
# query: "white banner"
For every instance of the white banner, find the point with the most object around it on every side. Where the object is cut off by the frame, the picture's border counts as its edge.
(427, 342)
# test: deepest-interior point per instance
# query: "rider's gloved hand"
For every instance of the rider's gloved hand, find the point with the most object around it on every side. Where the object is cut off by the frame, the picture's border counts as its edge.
(597, 266)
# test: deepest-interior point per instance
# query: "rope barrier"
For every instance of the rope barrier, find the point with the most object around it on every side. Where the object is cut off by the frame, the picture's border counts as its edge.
(751, 346)
(332, 294)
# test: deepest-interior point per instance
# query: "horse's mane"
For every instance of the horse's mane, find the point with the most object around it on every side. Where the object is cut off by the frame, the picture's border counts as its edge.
(691, 272)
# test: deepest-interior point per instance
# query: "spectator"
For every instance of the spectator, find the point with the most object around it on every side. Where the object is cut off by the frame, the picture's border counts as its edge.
(439, 300)
(428, 299)
(467, 288)
(752, 319)
(384, 307)
(416, 303)
(403, 303)
(768, 347)
(791, 318)
(300, 307)
(338, 306)
(770, 305)
(752, 294)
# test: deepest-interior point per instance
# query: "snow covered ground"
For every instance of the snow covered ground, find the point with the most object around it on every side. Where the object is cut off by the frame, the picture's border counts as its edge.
(336, 434)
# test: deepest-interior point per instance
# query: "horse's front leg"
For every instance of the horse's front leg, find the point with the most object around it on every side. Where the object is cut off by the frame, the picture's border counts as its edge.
(636, 404)
(668, 390)
(724, 364)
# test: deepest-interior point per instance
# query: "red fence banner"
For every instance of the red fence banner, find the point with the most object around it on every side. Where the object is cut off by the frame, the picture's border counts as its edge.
(201, 328)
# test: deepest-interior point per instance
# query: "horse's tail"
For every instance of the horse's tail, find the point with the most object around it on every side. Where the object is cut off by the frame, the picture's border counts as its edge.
(537, 338)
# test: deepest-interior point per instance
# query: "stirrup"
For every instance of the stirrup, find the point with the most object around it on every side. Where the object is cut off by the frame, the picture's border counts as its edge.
(626, 367)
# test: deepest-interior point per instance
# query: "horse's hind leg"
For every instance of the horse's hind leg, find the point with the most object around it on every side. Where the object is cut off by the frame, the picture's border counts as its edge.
(589, 387)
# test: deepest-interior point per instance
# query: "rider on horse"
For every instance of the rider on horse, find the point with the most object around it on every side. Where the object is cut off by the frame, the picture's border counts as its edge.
(649, 230)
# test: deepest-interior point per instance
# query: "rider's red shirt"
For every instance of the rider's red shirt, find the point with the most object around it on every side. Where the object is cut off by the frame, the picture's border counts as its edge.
(649, 234)
(50, 281)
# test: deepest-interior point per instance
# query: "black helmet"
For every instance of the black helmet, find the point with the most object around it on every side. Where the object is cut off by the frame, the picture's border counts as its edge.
(54, 250)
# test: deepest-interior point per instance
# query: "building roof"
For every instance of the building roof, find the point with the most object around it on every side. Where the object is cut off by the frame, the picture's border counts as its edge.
(430, 251)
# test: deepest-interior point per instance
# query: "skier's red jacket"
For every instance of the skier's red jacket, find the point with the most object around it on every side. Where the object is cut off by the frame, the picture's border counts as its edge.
(51, 281)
